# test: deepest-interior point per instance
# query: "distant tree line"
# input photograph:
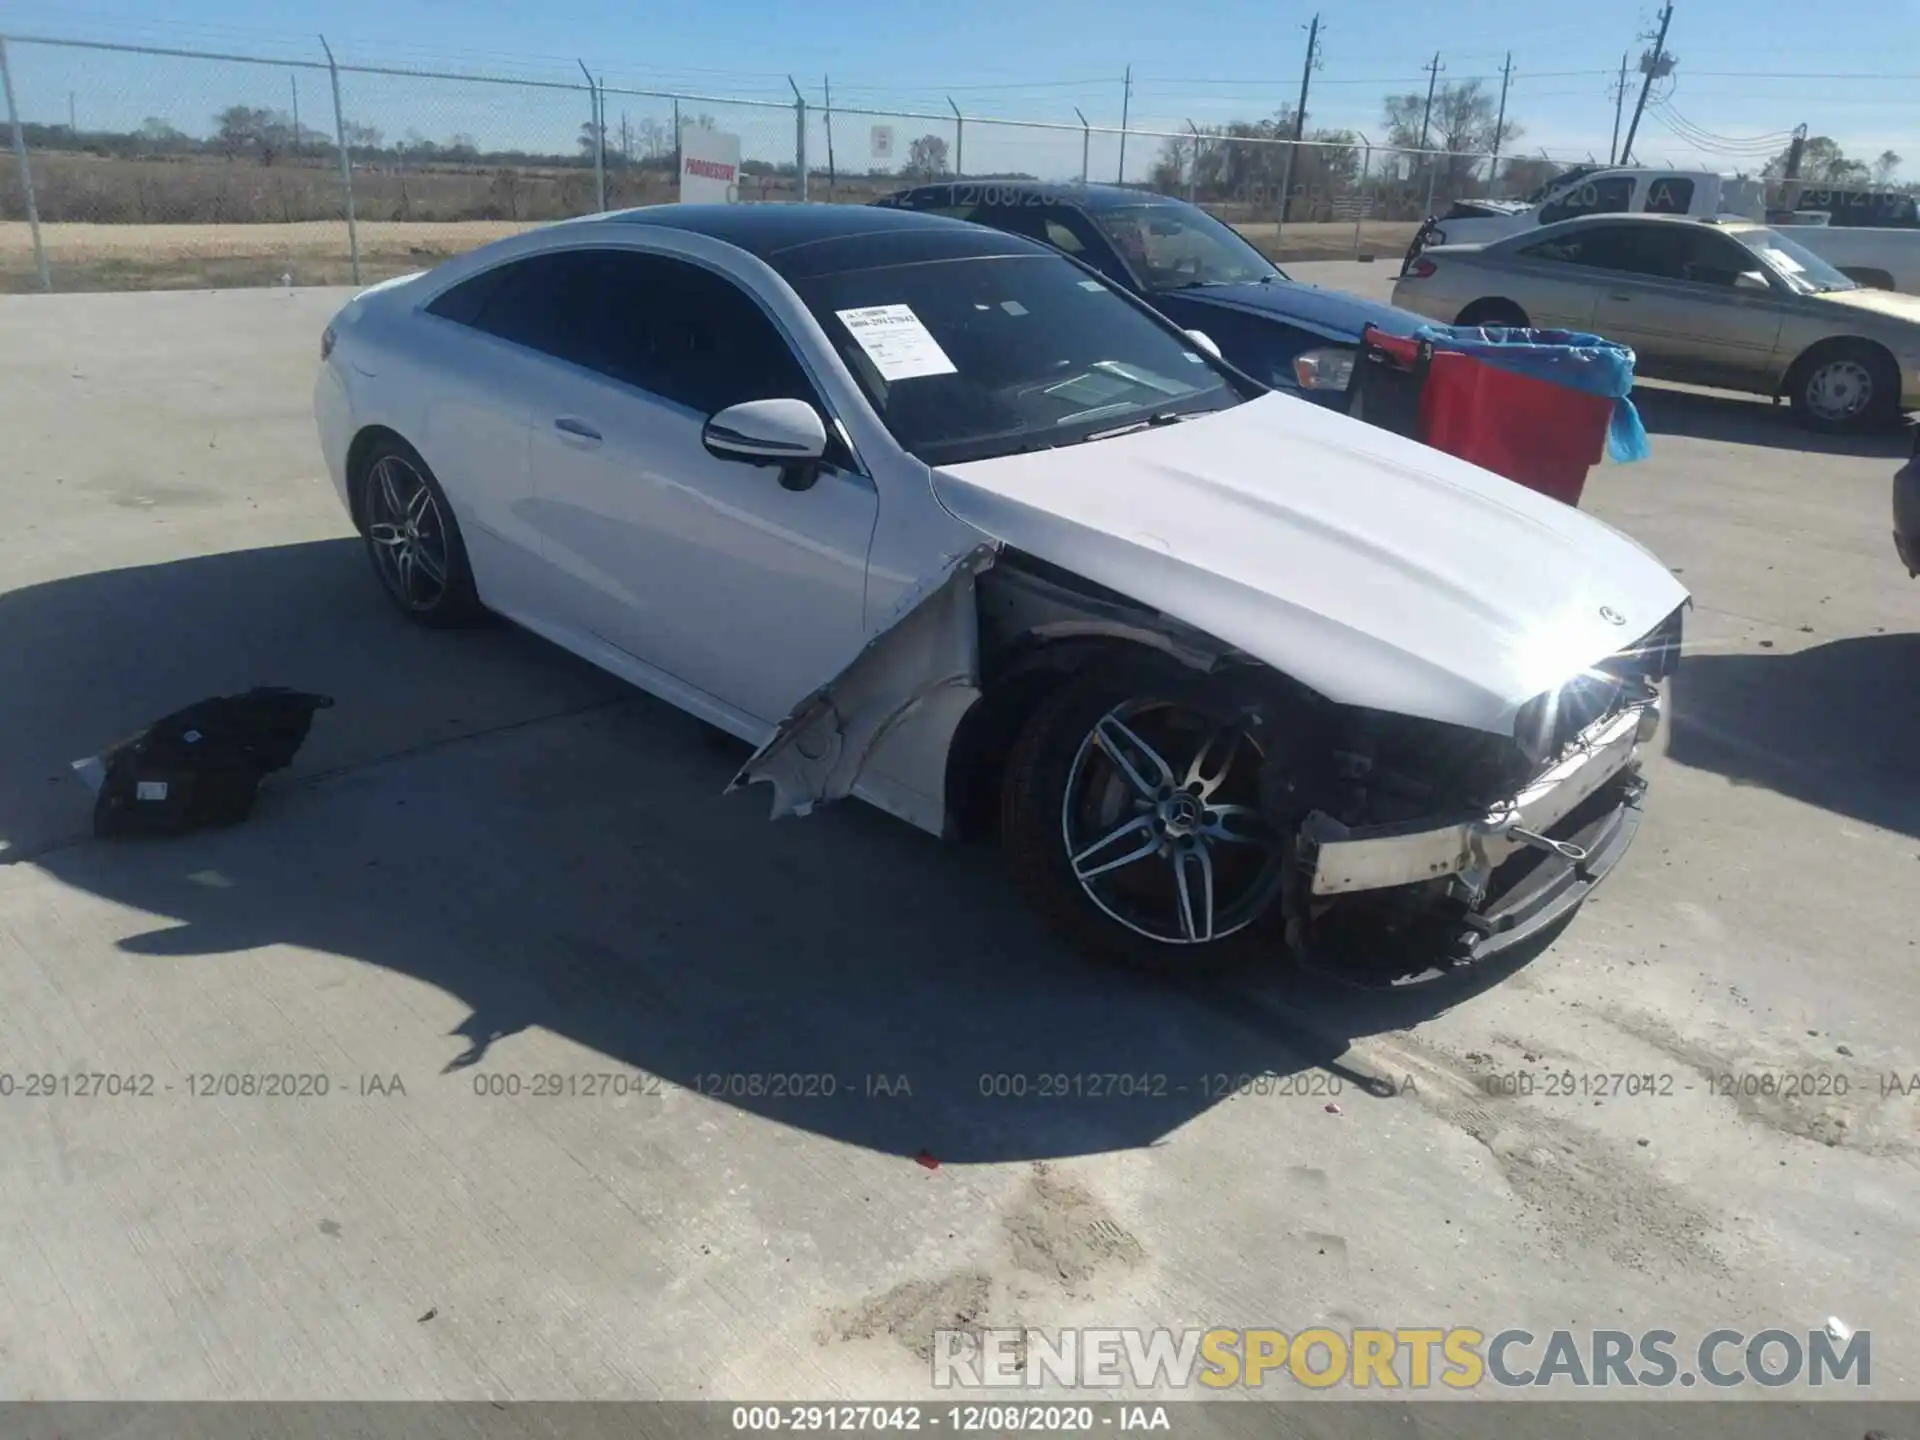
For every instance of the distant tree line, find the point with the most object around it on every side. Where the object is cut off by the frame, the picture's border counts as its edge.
(269, 137)
(1246, 160)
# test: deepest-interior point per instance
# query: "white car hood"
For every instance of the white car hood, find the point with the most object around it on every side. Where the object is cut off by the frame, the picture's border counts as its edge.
(1376, 570)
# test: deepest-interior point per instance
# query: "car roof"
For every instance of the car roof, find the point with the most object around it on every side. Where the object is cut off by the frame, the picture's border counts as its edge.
(800, 241)
(1087, 197)
(1627, 217)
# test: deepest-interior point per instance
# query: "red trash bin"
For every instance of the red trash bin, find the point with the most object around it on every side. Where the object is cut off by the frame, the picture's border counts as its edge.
(1539, 434)
(1543, 435)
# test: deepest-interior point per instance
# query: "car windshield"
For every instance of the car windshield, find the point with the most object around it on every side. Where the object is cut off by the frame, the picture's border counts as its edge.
(1798, 266)
(969, 359)
(1176, 247)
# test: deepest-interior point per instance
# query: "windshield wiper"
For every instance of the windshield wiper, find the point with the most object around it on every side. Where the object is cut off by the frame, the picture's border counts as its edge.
(1152, 422)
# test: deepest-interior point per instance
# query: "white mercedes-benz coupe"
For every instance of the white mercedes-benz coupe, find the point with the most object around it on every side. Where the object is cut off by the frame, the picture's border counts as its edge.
(936, 517)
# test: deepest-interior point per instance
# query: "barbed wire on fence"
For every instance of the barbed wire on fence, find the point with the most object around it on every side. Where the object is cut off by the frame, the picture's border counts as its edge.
(137, 165)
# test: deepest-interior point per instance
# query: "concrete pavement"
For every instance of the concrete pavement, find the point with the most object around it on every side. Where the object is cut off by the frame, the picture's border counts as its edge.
(495, 873)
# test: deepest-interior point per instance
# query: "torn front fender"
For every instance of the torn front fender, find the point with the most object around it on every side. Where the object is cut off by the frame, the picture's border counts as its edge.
(883, 725)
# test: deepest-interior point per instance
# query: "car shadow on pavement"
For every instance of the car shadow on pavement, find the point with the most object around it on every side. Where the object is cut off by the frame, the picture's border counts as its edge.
(1833, 725)
(1750, 420)
(564, 859)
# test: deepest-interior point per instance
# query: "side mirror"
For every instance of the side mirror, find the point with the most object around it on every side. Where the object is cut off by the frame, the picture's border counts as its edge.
(786, 433)
(1204, 341)
(1751, 280)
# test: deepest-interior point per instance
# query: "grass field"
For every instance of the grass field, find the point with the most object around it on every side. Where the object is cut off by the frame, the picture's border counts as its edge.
(314, 252)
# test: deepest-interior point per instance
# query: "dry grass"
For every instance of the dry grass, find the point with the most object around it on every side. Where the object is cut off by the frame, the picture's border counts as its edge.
(314, 252)
(1329, 240)
(155, 257)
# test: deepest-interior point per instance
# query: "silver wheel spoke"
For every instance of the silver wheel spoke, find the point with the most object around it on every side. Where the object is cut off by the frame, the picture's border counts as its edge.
(389, 493)
(429, 564)
(1213, 761)
(1116, 739)
(383, 533)
(1149, 842)
(1236, 825)
(418, 506)
(1196, 912)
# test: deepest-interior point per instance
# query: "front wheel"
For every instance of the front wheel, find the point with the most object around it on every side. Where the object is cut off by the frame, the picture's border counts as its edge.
(1132, 823)
(1845, 387)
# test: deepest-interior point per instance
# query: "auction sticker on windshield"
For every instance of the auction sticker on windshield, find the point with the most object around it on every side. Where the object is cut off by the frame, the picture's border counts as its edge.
(895, 340)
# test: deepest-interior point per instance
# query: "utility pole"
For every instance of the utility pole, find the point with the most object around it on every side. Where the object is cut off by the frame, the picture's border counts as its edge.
(1299, 116)
(1619, 107)
(293, 79)
(1433, 78)
(1655, 64)
(1500, 124)
(1126, 104)
(73, 127)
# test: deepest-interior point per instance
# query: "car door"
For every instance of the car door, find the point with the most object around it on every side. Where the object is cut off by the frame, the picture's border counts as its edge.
(1674, 301)
(473, 424)
(705, 569)
(1555, 279)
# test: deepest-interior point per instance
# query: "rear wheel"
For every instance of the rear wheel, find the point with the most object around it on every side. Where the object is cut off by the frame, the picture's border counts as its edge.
(413, 540)
(1493, 312)
(1132, 823)
(1844, 387)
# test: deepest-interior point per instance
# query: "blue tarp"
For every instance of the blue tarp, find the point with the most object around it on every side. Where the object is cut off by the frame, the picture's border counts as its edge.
(1561, 357)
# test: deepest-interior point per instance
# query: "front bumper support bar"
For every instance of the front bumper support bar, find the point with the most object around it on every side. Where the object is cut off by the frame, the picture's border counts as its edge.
(1345, 861)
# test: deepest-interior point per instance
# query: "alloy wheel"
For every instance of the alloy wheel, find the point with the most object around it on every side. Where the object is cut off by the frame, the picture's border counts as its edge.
(1161, 827)
(408, 533)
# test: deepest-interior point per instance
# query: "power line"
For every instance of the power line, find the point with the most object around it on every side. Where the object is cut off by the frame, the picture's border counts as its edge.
(1771, 137)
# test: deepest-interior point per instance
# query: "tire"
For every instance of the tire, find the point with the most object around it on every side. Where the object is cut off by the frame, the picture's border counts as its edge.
(1844, 387)
(1494, 312)
(410, 534)
(1063, 785)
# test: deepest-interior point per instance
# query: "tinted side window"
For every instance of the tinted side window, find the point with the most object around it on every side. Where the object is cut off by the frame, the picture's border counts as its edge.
(1605, 247)
(1669, 195)
(688, 335)
(540, 301)
(1597, 197)
(658, 324)
(1710, 259)
(463, 303)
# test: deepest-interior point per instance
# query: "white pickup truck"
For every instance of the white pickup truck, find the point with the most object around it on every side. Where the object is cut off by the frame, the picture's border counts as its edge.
(1886, 258)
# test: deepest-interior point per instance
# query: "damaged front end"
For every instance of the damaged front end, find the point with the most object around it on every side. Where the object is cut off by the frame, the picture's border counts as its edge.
(1447, 845)
(1403, 842)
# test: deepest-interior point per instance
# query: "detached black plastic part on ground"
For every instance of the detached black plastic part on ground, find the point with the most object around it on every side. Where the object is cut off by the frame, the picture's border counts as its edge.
(199, 767)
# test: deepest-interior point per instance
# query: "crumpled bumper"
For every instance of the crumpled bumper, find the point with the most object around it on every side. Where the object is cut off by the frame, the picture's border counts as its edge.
(1345, 861)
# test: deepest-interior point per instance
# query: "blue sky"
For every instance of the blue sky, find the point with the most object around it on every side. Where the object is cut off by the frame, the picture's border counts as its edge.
(1748, 69)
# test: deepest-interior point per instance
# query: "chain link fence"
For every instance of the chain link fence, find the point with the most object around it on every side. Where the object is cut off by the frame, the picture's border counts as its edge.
(132, 167)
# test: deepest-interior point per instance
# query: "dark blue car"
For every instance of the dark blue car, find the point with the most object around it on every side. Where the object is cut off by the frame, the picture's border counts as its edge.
(1189, 266)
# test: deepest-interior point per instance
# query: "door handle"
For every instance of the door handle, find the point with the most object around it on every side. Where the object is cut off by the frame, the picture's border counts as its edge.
(576, 432)
(1616, 295)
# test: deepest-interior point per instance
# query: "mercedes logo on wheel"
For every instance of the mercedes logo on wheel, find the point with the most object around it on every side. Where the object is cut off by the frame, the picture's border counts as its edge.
(1612, 616)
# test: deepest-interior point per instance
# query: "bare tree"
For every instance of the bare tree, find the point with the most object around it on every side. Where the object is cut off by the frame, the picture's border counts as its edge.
(247, 129)
(926, 158)
(1464, 122)
(1885, 167)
